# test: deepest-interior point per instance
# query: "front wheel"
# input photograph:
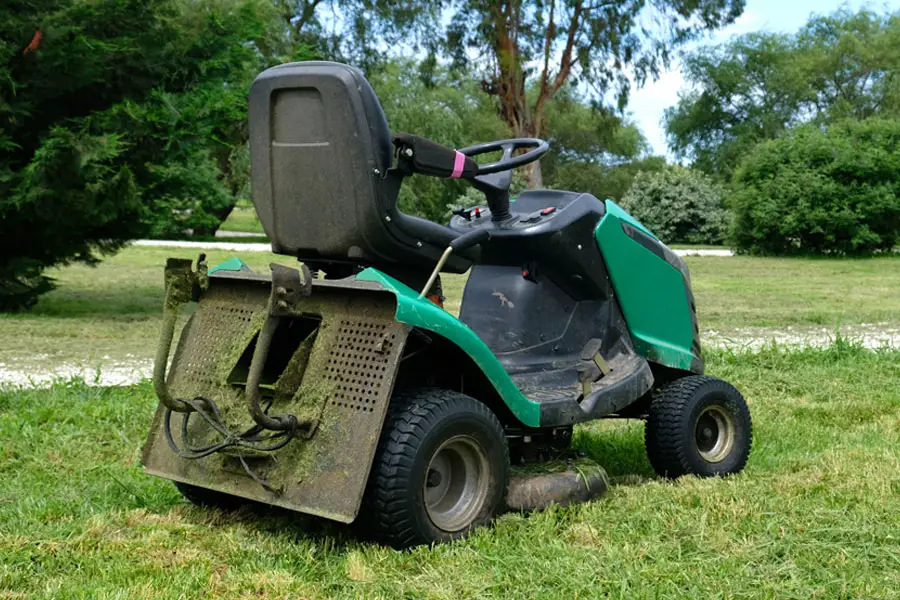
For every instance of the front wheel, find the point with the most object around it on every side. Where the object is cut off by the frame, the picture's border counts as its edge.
(698, 425)
(442, 469)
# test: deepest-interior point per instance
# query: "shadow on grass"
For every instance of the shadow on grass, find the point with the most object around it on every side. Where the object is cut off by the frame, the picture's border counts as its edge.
(279, 522)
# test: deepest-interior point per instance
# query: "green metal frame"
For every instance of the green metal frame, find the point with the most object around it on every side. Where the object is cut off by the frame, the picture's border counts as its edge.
(425, 314)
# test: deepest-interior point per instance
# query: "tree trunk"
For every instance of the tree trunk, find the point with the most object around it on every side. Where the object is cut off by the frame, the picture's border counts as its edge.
(533, 176)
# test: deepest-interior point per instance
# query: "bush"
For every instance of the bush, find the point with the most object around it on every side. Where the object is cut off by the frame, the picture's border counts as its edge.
(602, 180)
(832, 192)
(118, 119)
(678, 205)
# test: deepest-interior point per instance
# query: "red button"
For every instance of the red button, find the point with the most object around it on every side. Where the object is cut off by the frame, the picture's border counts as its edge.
(548, 210)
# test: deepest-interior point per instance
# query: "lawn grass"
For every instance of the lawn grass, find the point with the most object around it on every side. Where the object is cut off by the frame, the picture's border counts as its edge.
(113, 310)
(813, 516)
(243, 218)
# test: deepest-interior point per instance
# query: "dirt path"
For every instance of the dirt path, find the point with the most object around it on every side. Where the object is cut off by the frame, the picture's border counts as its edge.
(34, 371)
(251, 247)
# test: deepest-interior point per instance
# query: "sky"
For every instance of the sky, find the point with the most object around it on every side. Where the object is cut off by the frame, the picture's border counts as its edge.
(647, 105)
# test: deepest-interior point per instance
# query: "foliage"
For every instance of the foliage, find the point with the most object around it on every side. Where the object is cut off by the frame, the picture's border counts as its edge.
(605, 181)
(571, 42)
(522, 53)
(445, 107)
(815, 191)
(365, 33)
(678, 205)
(759, 85)
(120, 118)
(593, 149)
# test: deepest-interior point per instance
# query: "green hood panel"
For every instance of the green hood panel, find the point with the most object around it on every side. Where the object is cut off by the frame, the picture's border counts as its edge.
(651, 292)
(427, 315)
(618, 212)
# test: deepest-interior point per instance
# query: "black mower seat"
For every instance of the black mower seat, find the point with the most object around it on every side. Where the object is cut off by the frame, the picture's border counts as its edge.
(321, 156)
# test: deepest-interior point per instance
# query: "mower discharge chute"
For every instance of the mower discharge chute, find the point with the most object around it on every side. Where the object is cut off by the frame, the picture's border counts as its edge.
(342, 388)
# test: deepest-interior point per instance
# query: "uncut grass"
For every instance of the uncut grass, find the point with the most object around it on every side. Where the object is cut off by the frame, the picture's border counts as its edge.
(813, 516)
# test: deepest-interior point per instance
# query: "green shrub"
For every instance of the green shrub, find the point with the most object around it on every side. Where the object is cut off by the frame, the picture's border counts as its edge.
(814, 191)
(678, 205)
(118, 119)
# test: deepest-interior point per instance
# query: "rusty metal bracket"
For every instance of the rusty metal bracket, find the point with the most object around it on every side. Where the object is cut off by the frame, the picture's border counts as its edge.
(182, 285)
(288, 286)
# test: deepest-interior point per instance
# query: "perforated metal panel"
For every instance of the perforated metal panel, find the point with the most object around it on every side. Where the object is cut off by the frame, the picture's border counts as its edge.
(213, 330)
(359, 363)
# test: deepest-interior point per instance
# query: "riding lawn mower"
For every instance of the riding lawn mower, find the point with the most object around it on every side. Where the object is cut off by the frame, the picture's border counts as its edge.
(340, 387)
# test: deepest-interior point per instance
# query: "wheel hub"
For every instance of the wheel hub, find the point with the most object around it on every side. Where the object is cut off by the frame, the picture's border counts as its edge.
(714, 434)
(456, 483)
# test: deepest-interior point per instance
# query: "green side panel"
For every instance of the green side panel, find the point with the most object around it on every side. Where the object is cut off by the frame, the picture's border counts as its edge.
(650, 290)
(232, 264)
(427, 315)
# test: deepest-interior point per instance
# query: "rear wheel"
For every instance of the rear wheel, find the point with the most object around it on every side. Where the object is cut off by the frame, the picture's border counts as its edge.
(442, 469)
(698, 425)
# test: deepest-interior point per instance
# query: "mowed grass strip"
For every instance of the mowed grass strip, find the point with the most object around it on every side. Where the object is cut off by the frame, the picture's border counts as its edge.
(113, 309)
(813, 516)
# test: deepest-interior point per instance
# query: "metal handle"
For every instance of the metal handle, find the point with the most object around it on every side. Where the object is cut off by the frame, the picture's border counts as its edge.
(288, 286)
(182, 285)
(257, 363)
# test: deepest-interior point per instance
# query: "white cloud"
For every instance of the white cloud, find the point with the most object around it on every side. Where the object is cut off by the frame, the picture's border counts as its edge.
(647, 105)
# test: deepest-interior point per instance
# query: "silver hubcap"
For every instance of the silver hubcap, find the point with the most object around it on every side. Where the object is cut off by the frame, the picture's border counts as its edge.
(456, 483)
(714, 434)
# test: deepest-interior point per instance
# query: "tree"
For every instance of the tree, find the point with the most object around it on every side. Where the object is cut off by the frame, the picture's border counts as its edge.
(443, 105)
(574, 42)
(760, 85)
(678, 205)
(595, 150)
(831, 191)
(605, 181)
(365, 33)
(118, 118)
(524, 52)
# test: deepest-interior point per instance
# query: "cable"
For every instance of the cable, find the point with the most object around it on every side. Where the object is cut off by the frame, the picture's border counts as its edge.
(249, 439)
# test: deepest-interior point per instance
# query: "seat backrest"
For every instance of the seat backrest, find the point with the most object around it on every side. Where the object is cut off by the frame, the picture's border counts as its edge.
(321, 174)
(320, 147)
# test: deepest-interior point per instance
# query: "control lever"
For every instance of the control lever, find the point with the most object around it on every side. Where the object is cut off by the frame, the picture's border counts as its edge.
(463, 242)
(465, 213)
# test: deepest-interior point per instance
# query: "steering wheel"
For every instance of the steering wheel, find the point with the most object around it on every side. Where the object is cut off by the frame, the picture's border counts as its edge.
(507, 161)
(494, 179)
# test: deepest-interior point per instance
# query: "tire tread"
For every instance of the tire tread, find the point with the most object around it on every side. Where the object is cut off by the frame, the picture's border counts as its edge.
(666, 447)
(411, 414)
